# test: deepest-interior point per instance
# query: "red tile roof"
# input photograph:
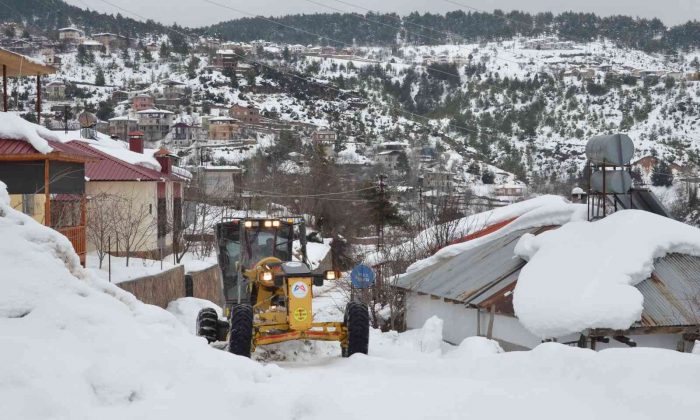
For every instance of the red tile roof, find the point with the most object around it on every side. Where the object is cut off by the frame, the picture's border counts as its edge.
(105, 167)
(100, 166)
(21, 147)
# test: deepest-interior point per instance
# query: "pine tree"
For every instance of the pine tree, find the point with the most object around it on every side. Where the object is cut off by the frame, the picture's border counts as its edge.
(661, 174)
(100, 77)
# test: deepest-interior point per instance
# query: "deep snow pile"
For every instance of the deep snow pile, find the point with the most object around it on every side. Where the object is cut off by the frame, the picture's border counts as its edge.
(77, 348)
(540, 211)
(582, 275)
(15, 127)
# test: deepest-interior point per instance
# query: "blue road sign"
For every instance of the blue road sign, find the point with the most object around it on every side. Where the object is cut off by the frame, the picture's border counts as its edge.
(362, 276)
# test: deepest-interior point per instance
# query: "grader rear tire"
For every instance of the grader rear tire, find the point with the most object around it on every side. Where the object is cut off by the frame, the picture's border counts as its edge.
(357, 323)
(207, 324)
(241, 335)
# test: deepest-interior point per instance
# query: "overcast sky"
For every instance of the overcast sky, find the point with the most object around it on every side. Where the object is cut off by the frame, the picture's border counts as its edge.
(201, 12)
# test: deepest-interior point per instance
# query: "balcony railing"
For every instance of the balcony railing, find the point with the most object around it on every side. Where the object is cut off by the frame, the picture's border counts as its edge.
(76, 236)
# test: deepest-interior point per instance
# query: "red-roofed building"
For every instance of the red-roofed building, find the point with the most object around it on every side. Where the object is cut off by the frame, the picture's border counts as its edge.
(149, 200)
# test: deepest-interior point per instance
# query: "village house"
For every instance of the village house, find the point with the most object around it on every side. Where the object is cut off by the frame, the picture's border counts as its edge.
(173, 90)
(148, 196)
(245, 114)
(324, 140)
(71, 35)
(389, 159)
(296, 49)
(120, 127)
(50, 57)
(225, 59)
(56, 90)
(142, 102)
(182, 134)
(155, 123)
(510, 191)
(223, 128)
(646, 164)
(91, 45)
(111, 41)
(216, 184)
(152, 46)
(119, 96)
(437, 180)
(328, 51)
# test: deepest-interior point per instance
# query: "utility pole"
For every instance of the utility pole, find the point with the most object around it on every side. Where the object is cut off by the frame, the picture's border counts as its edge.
(380, 232)
(420, 202)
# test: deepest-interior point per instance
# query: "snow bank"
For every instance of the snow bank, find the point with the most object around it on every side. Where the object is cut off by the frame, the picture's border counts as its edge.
(76, 348)
(4, 196)
(546, 210)
(17, 128)
(186, 310)
(582, 275)
(476, 347)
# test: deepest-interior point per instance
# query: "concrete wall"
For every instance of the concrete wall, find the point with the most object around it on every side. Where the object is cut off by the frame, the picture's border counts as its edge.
(159, 289)
(461, 322)
(163, 288)
(208, 284)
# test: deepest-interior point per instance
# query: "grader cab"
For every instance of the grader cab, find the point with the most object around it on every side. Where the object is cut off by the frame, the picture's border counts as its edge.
(269, 294)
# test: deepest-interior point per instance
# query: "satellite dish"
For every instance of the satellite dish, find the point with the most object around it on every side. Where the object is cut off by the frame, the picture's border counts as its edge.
(87, 120)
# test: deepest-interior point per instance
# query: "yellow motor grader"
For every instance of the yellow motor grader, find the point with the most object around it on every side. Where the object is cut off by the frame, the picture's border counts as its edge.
(269, 295)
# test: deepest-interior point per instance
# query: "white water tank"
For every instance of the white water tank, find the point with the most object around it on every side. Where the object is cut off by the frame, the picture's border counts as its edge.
(615, 150)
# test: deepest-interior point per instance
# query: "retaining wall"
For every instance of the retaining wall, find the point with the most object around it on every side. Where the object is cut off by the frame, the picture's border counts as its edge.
(161, 289)
(158, 289)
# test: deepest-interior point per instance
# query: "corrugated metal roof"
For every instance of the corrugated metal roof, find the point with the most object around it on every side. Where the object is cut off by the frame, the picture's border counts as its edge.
(469, 276)
(672, 294)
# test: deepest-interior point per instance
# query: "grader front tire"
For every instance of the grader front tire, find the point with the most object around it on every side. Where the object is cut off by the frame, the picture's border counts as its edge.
(357, 324)
(207, 324)
(241, 334)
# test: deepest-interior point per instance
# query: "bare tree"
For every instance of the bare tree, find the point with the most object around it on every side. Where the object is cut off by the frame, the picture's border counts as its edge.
(100, 223)
(134, 223)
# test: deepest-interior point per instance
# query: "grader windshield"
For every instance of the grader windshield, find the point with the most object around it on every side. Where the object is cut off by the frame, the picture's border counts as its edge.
(244, 242)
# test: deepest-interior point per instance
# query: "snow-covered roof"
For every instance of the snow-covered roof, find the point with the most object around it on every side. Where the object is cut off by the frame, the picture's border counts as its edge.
(145, 159)
(14, 127)
(123, 118)
(154, 111)
(551, 299)
(182, 172)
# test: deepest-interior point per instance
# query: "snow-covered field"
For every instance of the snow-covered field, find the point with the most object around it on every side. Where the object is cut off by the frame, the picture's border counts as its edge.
(75, 347)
